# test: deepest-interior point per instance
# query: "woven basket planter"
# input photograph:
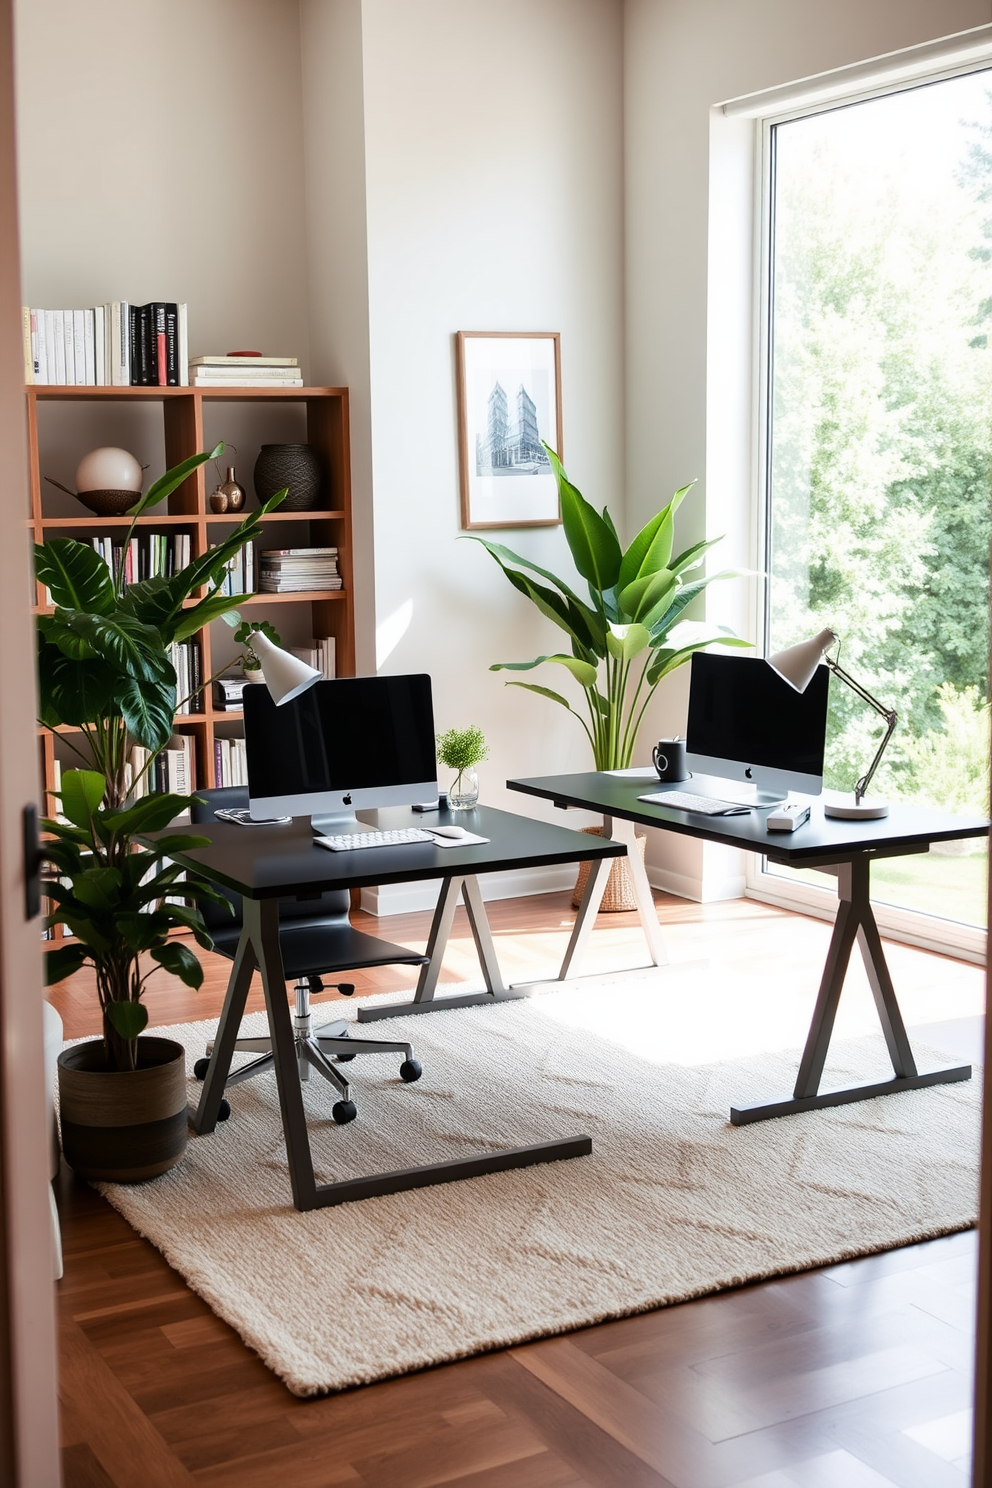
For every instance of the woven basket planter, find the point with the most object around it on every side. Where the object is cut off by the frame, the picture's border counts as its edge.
(123, 1126)
(619, 892)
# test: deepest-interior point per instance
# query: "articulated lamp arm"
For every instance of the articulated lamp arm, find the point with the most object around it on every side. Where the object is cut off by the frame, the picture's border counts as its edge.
(890, 716)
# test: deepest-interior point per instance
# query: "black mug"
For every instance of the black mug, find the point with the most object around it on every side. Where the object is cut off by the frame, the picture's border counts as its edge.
(668, 757)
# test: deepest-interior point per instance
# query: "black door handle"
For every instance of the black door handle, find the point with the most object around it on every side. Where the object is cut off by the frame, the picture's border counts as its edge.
(33, 859)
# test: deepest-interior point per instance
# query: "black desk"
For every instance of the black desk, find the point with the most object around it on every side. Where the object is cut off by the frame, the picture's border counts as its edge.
(842, 848)
(266, 864)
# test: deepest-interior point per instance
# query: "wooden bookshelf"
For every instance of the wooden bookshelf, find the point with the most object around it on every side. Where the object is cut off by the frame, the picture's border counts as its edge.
(189, 417)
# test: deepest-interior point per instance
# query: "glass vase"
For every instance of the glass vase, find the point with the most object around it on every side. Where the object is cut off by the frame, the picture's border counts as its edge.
(463, 792)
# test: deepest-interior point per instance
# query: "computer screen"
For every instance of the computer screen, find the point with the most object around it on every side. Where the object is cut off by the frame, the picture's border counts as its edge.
(746, 723)
(341, 746)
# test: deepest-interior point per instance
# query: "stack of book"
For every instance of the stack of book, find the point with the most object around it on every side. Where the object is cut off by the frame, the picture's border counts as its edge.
(321, 656)
(239, 577)
(230, 763)
(112, 345)
(172, 769)
(245, 370)
(298, 570)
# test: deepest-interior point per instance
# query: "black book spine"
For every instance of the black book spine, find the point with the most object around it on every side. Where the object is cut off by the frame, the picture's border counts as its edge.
(146, 345)
(196, 676)
(161, 771)
(134, 337)
(143, 566)
(170, 556)
(172, 345)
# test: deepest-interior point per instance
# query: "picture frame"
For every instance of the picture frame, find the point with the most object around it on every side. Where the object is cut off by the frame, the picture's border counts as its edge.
(509, 400)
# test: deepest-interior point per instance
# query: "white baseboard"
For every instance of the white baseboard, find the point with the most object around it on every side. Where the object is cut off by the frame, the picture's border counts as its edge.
(690, 886)
(408, 898)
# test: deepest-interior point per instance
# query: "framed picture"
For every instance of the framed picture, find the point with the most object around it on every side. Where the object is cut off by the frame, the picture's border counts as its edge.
(509, 401)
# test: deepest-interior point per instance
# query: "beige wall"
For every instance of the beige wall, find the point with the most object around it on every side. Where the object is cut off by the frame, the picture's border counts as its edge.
(160, 157)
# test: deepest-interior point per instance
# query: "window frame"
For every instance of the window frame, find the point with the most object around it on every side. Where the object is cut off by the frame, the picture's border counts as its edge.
(912, 927)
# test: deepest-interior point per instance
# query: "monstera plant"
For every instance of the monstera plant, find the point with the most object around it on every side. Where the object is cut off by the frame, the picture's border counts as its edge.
(629, 634)
(104, 670)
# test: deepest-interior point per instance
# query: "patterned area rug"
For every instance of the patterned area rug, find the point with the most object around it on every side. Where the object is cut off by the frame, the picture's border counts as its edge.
(673, 1202)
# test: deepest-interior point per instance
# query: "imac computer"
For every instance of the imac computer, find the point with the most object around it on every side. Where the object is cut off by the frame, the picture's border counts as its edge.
(340, 747)
(747, 724)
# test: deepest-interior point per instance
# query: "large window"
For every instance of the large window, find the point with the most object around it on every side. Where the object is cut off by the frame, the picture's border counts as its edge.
(879, 445)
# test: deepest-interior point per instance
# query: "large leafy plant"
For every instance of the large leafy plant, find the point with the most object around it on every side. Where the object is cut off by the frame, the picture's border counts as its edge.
(104, 670)
(629, 635)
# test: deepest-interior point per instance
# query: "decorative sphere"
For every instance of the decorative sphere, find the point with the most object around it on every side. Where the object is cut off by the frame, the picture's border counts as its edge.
(108, 469)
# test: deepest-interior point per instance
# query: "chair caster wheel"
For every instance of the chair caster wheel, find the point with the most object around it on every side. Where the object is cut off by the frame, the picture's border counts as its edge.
(344, 1111)
(223, 1110)
(347, 989)
(344, 1058)
(200, 1069)
(410, 1070)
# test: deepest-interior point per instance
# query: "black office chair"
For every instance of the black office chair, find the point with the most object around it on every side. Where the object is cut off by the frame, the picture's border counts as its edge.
(316, 937)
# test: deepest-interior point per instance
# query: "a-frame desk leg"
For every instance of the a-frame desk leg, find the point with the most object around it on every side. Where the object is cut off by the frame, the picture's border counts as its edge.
(424, 999)
(855, 921)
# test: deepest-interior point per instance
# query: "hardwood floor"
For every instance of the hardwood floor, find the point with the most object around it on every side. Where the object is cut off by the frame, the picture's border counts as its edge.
(856, 1376)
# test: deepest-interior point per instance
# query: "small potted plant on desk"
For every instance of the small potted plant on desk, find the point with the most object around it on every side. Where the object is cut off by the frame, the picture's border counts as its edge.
(626, 638)
(462, 750)
(104, 670)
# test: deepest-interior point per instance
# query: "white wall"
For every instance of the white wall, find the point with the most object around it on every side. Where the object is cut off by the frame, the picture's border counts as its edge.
(160, 156)
(681, 58)
(494, 199)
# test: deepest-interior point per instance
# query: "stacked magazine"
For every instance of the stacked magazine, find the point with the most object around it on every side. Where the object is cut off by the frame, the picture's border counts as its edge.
(298, 570)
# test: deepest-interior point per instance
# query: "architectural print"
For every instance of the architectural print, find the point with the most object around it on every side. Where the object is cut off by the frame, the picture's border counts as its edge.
(510, 448)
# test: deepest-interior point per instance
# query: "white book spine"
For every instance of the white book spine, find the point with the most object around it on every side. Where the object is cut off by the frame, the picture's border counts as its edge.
(58, 339)
(89, 344)
(183, 349)
(100, 345)
(43, 374)
(79, 345)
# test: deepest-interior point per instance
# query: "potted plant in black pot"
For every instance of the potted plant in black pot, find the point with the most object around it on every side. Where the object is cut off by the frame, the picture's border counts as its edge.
(104, 669)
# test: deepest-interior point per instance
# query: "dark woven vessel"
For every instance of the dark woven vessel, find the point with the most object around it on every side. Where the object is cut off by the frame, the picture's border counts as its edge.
(292, 465)
(123, 1126)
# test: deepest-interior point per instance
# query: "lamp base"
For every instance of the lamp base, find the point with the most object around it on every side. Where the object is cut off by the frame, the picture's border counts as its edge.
(839, 804)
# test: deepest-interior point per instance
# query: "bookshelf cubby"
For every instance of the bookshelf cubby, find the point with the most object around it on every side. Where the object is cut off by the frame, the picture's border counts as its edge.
(163, 426)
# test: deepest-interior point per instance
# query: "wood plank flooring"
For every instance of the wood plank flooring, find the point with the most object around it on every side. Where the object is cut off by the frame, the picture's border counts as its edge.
(856, 1376)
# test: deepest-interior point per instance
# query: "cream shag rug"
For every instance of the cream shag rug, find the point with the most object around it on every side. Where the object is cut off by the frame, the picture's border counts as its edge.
(673, 1202)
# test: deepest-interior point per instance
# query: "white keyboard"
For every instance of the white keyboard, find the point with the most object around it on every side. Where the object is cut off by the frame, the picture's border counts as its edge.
(356, 841)
(705, 805)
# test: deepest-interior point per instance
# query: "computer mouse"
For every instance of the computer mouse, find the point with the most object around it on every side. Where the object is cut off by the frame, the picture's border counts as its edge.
(450, 832)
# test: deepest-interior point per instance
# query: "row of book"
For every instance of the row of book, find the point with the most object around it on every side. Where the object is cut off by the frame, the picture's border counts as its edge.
(171, 769)
(239, 576)
(111, 345)
(230, 762)
(187, 659)
(298, 570)
(150, 555)
(245, 369)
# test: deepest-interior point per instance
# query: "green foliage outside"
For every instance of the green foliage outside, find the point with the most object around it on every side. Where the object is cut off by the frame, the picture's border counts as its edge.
(882, 434)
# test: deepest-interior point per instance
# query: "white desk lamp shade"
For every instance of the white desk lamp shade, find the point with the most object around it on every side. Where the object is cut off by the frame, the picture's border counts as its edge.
(285, 675)
(797, 664)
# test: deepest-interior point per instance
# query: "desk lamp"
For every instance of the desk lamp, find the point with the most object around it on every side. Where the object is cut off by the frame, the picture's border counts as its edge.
(285, 675)
(796, 665)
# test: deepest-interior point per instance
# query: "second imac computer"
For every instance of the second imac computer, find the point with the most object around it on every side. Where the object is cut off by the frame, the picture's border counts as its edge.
(340, 747)
(747, 724)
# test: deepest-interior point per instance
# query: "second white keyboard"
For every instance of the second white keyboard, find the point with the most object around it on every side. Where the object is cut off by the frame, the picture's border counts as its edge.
(356, 841)
(705, 805)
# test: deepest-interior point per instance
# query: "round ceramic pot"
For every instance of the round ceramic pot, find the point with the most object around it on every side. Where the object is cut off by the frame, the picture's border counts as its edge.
(123, 1126)
(292, 465)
